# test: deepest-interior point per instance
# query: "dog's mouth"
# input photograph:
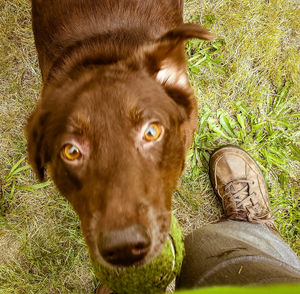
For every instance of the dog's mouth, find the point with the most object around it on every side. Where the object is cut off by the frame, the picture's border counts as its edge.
(139, 257)
(135, 255)
(133, 245)
(126, 253)
(124, 247)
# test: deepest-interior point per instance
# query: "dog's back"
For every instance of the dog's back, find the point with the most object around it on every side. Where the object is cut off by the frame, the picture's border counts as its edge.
(62, 24)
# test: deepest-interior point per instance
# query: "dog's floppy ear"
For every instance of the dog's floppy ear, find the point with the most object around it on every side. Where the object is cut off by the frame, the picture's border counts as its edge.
(165, 59)
(36, 142)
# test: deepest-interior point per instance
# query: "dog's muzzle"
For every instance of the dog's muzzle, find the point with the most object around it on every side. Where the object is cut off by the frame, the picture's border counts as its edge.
(124, 247)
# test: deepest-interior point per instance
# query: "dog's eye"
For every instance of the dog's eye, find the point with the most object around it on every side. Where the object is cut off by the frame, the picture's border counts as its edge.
(153, 132)
(71, 152)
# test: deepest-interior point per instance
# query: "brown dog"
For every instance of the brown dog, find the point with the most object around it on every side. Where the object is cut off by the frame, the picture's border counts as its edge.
(116, 117)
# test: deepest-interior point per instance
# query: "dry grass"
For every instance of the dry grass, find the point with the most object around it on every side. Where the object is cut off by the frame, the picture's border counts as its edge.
(252, 65)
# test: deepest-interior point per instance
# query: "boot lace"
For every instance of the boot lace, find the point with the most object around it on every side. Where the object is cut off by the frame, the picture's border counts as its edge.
(240, 204)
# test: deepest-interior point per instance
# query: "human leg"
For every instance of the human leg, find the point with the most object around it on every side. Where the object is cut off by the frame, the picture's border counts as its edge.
(237, 253)
(245, 248)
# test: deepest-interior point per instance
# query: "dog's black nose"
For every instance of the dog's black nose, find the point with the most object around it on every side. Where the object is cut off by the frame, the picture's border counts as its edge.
(124, 247)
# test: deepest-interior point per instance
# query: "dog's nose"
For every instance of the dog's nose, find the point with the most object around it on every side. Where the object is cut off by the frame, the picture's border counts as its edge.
(124, 247)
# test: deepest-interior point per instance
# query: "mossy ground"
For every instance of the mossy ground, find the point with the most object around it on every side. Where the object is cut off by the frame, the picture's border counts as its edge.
(247, 85)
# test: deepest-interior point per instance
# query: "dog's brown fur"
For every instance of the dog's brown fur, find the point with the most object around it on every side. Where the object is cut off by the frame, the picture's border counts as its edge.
(108, 68)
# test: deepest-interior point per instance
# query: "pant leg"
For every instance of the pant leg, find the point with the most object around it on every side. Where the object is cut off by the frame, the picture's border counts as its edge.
(236, 253)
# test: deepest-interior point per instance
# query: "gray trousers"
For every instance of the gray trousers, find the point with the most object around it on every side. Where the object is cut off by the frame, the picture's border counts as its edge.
(236, 253)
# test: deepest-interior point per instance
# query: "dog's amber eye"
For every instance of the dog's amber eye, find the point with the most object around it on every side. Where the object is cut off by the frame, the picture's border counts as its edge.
(71, 152)
(152, 132)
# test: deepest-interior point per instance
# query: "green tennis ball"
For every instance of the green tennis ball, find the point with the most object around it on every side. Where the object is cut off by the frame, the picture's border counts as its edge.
(153, 277)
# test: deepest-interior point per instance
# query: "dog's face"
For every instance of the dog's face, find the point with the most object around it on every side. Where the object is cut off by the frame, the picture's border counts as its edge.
(114, 139)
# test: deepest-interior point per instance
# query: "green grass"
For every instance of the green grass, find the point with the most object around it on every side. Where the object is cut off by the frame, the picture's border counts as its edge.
(247, 84)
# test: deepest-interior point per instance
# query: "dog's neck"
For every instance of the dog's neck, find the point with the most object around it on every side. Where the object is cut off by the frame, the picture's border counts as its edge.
(99, 50)
(94, 32)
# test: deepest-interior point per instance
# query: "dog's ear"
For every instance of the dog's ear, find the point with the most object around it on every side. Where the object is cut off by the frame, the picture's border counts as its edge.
(166, 60)
(36, 142)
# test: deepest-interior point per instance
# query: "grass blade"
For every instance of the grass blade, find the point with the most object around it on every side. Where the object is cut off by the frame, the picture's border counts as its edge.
(15, 166)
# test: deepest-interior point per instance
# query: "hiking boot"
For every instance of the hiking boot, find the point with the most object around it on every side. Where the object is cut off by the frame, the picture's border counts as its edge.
(240, 184)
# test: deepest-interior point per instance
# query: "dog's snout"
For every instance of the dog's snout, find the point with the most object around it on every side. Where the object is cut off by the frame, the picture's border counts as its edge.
(124, 247)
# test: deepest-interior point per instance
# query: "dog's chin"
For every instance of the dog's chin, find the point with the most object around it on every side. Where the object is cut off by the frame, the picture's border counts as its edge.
(158, 232)
(158, 238)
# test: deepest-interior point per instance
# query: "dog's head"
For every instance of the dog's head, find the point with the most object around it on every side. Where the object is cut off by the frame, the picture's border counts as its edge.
(114, 138)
